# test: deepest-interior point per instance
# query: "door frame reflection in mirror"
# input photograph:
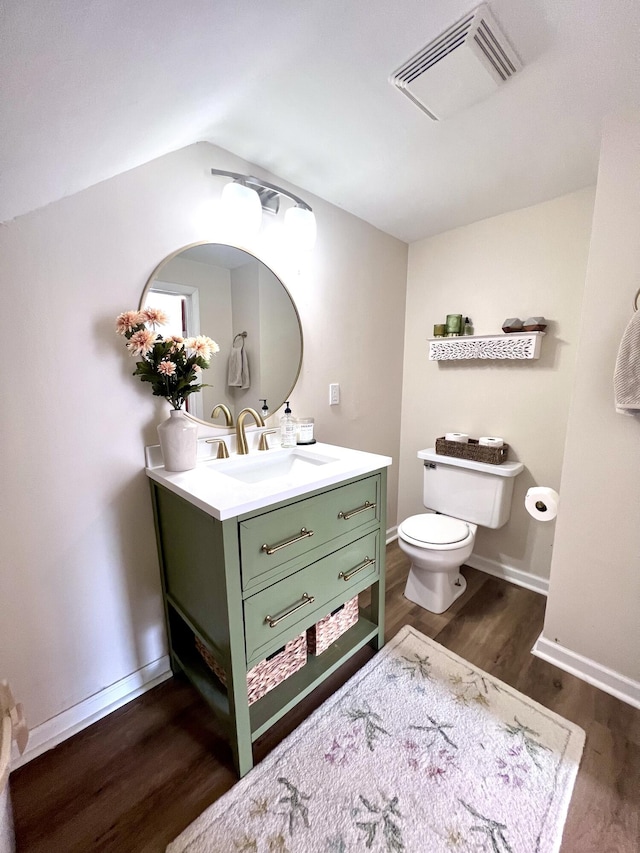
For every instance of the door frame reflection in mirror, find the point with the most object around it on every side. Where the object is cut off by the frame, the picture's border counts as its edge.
(189, 322)
(200, 405)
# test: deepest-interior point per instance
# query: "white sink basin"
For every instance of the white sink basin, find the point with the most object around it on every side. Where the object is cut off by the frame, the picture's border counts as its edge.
(225, 488)
(271, 465)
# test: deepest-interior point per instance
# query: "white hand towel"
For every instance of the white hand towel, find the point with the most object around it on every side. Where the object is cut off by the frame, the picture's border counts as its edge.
(238, 373)
(244, 376)
(626, 377)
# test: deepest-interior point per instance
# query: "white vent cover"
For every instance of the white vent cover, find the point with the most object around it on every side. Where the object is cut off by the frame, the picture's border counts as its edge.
(465, 64)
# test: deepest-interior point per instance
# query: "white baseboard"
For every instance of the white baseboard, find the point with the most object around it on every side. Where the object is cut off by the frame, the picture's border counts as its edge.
(73, 720)
(623, 688)
(509, 573)
(56, 730)
(392, 533)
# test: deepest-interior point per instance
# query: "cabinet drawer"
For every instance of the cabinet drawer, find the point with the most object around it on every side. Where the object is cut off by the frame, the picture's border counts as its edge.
(269, 541)
(284, 609)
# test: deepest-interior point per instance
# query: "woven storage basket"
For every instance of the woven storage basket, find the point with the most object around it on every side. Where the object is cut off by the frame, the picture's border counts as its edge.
(473, 450)
(327, 630)
(269, 672)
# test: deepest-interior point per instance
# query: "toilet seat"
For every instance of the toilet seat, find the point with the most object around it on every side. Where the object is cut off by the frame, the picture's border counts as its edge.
(432, 530)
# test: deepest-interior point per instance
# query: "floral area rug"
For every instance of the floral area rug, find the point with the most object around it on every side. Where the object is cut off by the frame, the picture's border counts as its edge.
(419, 751)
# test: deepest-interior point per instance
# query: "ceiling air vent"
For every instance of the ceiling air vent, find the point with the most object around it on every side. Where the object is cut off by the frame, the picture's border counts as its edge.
(465, 64)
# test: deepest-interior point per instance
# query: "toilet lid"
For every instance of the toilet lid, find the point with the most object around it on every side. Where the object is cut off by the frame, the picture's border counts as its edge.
(433, 529)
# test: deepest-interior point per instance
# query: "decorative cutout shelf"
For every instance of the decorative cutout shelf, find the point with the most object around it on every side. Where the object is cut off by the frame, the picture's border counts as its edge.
(515, 345)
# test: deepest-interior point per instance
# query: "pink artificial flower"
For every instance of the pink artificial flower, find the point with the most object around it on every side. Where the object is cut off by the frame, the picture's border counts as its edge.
(202, 346)
(141, 342)
(167, 368)
(127, 321)
(154, 317)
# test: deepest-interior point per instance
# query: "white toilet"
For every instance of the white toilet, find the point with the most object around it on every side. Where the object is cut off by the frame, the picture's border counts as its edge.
(462, 494)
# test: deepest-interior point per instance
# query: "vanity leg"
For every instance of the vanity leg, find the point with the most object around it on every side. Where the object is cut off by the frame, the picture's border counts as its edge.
(239, 720)
(377, 613)
(379, 590)
(240, 723)
(242, 757)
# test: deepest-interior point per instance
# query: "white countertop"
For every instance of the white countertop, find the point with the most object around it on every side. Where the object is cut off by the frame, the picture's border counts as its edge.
(223, 495)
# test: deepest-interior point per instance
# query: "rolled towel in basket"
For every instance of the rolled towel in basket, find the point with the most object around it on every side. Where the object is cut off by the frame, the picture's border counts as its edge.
(460, 437)
(490, 441)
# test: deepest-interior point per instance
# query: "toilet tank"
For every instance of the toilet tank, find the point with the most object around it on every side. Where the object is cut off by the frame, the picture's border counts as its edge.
(468, 490)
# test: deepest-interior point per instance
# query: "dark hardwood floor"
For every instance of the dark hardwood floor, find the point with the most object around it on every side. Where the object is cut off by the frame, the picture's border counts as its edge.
(133, 781)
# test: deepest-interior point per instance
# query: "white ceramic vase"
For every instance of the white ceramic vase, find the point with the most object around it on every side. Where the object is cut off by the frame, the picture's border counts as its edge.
(178, 441)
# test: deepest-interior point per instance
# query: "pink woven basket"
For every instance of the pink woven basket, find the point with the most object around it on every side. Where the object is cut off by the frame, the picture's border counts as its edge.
(269, 672)
(327, 630)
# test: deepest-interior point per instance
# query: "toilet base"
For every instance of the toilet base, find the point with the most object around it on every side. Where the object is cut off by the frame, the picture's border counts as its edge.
(434, 591)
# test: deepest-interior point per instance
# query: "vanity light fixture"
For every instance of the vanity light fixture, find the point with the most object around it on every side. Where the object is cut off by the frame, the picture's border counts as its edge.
(300, 224)
(242, 208)
(246, 196)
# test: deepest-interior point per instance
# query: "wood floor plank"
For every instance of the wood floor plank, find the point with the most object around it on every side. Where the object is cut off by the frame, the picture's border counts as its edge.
(133, 781)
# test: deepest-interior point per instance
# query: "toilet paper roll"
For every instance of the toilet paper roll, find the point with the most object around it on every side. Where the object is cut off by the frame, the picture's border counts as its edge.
(491, 441)
(460, 437)
(542, 503)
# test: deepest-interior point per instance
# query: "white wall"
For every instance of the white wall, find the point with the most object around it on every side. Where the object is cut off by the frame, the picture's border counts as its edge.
(79, 585)
(521, 264)
(594, 597)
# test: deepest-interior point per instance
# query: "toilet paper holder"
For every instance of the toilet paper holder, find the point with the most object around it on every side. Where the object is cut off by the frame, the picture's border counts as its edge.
(541, 502)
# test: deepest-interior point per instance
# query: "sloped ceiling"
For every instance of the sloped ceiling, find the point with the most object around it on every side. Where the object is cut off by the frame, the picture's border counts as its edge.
(92, 88)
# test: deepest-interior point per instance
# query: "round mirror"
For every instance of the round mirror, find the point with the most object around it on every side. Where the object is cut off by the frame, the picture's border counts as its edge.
(229, 295)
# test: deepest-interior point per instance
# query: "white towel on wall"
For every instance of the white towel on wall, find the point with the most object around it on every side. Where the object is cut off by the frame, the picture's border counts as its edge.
(238, 373)
(626, 377)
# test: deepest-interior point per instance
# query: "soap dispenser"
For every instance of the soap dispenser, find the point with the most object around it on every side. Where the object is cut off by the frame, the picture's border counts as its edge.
(287, 429)
(264, 411)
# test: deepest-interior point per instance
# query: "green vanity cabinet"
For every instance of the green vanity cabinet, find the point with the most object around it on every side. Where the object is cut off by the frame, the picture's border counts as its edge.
(247, 585)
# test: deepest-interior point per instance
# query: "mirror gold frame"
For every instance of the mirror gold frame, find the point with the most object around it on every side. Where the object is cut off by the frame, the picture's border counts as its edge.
(268, 280)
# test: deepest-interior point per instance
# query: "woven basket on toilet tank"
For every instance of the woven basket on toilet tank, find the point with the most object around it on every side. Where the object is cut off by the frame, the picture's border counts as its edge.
(472, 450)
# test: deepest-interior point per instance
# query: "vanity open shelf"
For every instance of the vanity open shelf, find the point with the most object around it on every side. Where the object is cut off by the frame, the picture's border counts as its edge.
(277, 702)
(246, 585)
(515, 345)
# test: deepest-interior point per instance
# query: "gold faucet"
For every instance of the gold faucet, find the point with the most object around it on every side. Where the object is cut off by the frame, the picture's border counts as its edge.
(264, 444)
(241, 438)
(227, 414)
(223, 453)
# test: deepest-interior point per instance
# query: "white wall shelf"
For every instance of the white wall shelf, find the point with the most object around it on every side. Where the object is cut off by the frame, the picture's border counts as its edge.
(514, 345)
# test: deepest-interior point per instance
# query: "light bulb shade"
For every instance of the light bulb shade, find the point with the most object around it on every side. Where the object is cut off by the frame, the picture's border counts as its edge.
(241, 209)
(300, 224)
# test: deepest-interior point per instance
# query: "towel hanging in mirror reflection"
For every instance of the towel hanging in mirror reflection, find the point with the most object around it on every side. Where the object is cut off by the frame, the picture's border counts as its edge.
(238, 372)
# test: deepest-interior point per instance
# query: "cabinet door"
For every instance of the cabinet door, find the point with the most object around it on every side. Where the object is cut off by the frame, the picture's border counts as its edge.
(270, 541)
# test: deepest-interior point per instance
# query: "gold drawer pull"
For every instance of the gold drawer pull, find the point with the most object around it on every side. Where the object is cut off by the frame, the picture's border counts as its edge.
(271, 549)
(346, 576)
(306, 599)
(347, 515)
